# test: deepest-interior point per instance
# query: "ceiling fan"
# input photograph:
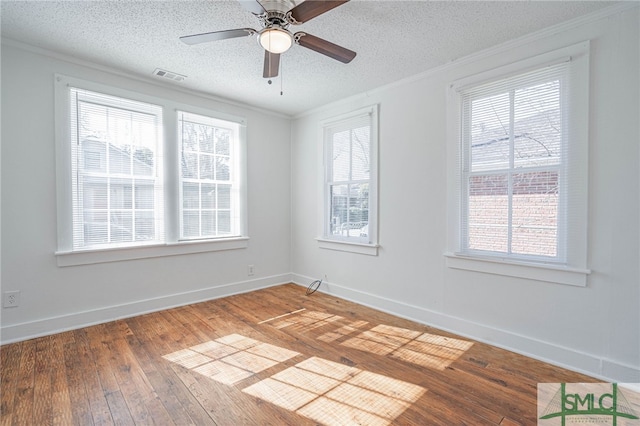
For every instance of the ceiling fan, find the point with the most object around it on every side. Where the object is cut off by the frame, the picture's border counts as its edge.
(276, 16)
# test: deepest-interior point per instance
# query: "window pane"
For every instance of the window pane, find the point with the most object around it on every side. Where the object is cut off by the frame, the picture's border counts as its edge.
(144, 195)
(535, 213)
(121, 227)
(488, 211)
(361, 149)
(223, 137)
(341, 157)
(224, 196)
(339, 209)
(206, 139)
(490, 133)
(95, 227)
(359, 205)
(189, 137)
(121, 194)
(224, 222)
(208, 196)
(206, 166)
(94, 194)
(143, 162)
(191, 224)
(190, 195)
(208, 223)
(94, 155)
(189, 165)
(222, 168)
(120, 160)
(93, 121)
(537, 136)
(145, 229)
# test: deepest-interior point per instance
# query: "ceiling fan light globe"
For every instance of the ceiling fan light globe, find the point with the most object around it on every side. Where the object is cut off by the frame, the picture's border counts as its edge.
(275, 40)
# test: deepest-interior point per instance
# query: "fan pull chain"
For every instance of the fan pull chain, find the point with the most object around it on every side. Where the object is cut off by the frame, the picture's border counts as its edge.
(281, 75)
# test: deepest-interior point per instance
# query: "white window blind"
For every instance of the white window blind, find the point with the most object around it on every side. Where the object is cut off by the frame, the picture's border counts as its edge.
(348, 150)
(116, 149)
(514, 160)
(209, 177)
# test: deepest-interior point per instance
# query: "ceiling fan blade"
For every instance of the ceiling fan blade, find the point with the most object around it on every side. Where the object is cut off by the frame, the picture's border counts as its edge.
(309, 9)
(325, 47)
(253, 6)
(271, 64)
(217, 35)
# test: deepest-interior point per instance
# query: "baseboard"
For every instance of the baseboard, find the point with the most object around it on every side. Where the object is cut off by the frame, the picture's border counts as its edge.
(46, 326)
(600, 368)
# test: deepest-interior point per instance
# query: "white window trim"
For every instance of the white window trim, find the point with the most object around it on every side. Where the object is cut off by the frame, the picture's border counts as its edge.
(106, 255)
(237, 155)
(65, 254)
(574, 271)
(348, 246)
(324, 240)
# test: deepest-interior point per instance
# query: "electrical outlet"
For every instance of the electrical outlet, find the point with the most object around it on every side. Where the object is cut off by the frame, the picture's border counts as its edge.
(11, 299)
(250, 270)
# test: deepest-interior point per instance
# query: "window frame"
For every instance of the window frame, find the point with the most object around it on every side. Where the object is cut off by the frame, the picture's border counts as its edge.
(234, 162)
(66, 255)
(511, 170)
(85, 175)
(570, 267)
(326, 240)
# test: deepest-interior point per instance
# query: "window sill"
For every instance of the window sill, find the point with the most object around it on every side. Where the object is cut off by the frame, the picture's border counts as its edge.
(529, 270)
(89, 257)
(348, 246)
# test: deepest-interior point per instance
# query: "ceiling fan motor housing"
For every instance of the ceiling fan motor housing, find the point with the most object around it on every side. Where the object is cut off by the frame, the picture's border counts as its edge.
(281, 6)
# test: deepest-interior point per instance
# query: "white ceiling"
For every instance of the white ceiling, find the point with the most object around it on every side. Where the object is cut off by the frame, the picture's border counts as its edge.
(393, 40)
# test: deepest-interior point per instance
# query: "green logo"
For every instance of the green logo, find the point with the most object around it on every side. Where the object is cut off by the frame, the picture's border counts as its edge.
(588, 403)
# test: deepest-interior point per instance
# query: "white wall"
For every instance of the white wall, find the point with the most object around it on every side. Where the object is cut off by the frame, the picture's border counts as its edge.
(54, 298)
(594, 329)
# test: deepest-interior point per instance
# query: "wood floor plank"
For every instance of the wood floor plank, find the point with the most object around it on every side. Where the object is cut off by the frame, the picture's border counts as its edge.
(23, 409)
(135, 388)
(42, 406)
(77, 376)
(178, 400)
(61, 399)
(270, 357)
(90, 376)
(9, 376)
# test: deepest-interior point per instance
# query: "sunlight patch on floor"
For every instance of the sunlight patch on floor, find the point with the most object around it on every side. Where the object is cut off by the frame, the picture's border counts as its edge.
(324, 391)
(332, 393)
(307, 320)
(427, 350)
(343, 331)
(231, 358)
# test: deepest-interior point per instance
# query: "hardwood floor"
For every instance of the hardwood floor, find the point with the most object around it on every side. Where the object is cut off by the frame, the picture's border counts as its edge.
(270, 357)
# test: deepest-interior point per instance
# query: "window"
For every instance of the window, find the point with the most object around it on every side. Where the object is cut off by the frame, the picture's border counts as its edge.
(513, 171)
(350, 180)
(208, 177)
(116, 150)
(521, 194)
(146, 174)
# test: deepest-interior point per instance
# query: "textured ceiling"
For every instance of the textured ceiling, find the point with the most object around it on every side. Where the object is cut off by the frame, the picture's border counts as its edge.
(393, 39)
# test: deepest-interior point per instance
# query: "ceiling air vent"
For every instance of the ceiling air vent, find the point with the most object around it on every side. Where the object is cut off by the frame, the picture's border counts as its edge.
(168, 74)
